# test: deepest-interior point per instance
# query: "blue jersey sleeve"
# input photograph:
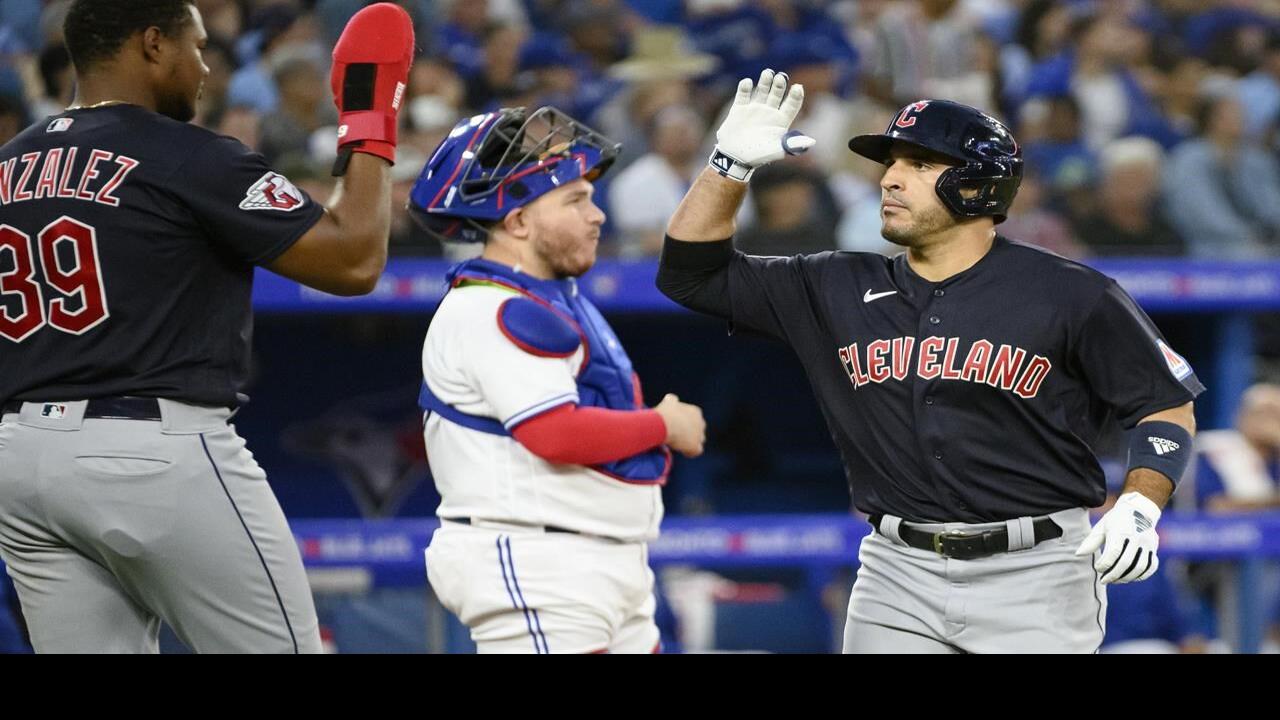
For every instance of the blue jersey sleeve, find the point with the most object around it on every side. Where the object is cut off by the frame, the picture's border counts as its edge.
(241, 203)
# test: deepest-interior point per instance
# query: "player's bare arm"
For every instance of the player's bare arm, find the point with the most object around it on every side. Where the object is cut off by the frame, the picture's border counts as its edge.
(345, 252)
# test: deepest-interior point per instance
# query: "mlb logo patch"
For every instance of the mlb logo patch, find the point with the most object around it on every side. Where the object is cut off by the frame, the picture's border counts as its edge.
(53, 411)
(273, 191)
(60, 125)
(1178, 365)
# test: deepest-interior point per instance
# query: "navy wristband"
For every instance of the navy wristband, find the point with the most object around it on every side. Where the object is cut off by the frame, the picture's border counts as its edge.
(1161, 446)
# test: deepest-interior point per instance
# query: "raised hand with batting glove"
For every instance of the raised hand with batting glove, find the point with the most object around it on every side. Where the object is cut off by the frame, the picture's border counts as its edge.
(757, 129)
(1128, 531)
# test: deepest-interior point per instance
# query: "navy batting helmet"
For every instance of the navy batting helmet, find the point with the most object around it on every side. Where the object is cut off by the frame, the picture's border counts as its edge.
(493, 163)
(989, 159)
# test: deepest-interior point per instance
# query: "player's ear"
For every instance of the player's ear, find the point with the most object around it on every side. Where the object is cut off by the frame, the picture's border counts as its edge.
(516, 223)
(154, 44)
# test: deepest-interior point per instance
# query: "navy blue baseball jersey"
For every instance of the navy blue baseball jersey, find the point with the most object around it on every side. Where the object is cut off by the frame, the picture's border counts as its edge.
(974, 399)
(127, 247)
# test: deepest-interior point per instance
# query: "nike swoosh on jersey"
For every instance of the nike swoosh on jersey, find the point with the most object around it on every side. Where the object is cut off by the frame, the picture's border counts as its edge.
(869, 296)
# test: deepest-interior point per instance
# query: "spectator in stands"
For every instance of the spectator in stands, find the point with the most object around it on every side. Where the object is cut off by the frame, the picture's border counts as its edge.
(58, 82)
(13, 117)
(1111, 100)
(1030, 221)
(304, 106)
(812, 60)
(644, 195)
(1128, 219)
(1259, 95)
(658, 73)
(1183, 90)
(927, 48)
(1238, 43)
(496, 77)
(461, 36)
(548, 69)
(1042, 32)
(273, 29)
(223, 18)
(599, 30)
(1238, 469)
(1054, 147)
(795, 212)
(1220, 191)
(22, 18)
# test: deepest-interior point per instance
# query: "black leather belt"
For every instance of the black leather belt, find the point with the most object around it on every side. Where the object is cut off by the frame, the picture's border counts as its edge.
(968, 545)
(115, 408)
(547, 528)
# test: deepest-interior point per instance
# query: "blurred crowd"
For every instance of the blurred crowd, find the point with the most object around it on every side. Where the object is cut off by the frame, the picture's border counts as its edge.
(1149, 126)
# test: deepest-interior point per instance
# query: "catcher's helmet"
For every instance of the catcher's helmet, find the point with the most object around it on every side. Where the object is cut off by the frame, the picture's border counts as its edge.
(493, 163)
(990, 161)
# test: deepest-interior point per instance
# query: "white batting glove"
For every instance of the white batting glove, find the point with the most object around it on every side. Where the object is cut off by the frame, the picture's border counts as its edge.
(1129, 531)
(757, 129)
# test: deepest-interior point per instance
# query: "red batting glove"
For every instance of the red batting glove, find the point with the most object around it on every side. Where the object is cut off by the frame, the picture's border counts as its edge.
(370, 71)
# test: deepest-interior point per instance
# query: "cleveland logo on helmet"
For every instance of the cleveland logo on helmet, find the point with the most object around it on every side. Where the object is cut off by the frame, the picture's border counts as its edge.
(989, 161)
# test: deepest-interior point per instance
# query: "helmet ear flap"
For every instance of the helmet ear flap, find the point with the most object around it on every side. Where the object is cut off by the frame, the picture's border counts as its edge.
(948, 190)
(993, 195)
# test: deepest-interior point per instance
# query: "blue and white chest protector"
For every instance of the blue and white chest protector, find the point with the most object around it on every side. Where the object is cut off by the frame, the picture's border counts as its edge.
(605, 379)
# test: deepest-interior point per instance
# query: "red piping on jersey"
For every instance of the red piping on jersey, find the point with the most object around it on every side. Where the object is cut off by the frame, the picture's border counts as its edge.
(502, 325)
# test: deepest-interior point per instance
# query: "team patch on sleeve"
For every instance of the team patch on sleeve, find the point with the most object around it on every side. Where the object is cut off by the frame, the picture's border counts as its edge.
(1178, 365)
(273, 191)
(537, 329)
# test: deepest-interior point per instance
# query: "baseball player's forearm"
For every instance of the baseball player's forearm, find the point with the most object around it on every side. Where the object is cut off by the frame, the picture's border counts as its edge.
(571, 435)
(708, 210)
(1155, 485)
(345, 252)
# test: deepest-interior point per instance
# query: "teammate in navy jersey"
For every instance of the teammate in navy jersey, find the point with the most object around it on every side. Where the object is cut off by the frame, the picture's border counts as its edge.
(128, 240)
(964, 382)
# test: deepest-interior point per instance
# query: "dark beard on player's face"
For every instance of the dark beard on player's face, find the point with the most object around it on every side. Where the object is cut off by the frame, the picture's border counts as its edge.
(927, 223)
(177, 108)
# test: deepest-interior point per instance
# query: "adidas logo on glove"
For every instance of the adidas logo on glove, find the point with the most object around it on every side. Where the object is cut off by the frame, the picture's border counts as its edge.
(1140, 521)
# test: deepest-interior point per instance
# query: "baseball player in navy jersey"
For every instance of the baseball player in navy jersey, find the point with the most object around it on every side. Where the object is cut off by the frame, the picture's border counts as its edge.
(128, 240)
(963, 381)
(548, 463)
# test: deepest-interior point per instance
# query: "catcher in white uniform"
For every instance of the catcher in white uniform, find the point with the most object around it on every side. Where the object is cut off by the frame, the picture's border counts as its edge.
(548, 463)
